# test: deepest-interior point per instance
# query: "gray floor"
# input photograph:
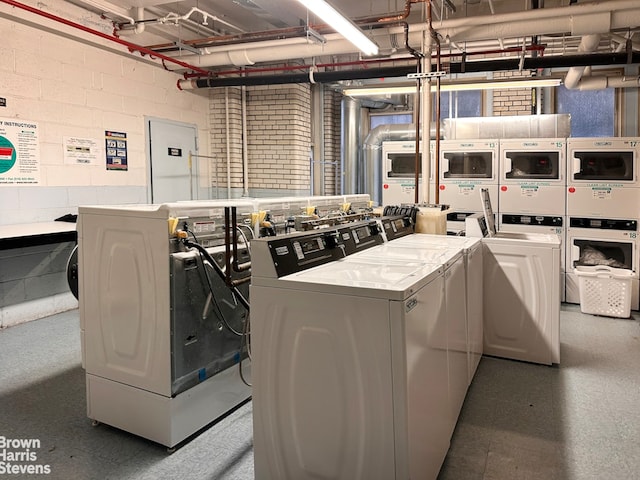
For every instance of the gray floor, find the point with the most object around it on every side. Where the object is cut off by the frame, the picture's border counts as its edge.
(520, 421)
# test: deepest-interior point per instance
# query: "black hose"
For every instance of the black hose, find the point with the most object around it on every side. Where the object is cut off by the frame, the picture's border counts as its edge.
(203, 251)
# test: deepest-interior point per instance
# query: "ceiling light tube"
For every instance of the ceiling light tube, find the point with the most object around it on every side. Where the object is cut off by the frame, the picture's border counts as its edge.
(342, 25)
(453, 87)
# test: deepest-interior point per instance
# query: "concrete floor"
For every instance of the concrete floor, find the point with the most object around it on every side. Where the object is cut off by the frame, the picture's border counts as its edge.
(576, 421)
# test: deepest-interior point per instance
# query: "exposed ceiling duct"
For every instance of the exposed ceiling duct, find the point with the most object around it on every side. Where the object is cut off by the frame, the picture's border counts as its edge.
(586, 19)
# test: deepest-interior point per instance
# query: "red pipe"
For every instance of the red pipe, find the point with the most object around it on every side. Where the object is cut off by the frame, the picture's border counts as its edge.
(131, 46)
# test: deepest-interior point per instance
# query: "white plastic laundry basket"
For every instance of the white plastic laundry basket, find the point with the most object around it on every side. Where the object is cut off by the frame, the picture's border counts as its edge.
(605, 290)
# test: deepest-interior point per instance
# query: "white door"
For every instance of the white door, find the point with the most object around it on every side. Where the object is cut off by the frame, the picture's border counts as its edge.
(173, 176)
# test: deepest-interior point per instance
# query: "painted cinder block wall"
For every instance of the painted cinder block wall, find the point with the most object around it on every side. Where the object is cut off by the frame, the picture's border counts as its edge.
(73, 88)
(81, 89)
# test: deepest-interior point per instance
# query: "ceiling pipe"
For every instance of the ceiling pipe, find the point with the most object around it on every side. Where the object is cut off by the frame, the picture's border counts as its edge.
(602, 82)
(588, 44)
(109, 8)
(577, 20)
(367, 63)
(566, 61)
(138, 26)
(131, 46)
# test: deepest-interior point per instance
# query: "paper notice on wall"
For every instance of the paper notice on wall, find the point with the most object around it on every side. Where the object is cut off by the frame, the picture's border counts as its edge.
(116, 150)
(19, 152)
(81, 151)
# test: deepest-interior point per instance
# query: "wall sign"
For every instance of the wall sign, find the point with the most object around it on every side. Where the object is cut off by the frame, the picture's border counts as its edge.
(116, 150)
(19, 152)
(81, 151)
(175, 152)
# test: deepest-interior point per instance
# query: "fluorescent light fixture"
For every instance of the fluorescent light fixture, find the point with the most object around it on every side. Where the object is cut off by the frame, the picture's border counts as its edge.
(342, 25)
(454, 87)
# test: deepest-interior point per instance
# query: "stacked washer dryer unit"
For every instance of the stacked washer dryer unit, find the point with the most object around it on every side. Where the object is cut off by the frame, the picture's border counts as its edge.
(532, 189)
(465, 167)
(350, 381)
(398, 172)
(603, 207)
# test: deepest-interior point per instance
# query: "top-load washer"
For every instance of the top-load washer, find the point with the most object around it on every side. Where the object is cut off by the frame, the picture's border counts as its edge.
(472, 254)
(521, 291)
(465, 167)
(452, 261)
(544, 224)
(602, 178)
(350, 377)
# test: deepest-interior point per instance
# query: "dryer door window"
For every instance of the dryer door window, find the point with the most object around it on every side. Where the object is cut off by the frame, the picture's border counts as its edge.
(401, 165)
(605, 166)
(468, 165)
(533, 165)
(604, 252)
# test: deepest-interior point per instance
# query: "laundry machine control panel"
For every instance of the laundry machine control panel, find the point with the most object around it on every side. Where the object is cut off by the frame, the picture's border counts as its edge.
(396, 226)
(300, 251)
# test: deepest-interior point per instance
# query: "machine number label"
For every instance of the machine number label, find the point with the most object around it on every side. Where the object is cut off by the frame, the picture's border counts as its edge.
(632, 235)
(529, 190)
(410, 305)
(282, 250)
(466, 189)
(602, 193)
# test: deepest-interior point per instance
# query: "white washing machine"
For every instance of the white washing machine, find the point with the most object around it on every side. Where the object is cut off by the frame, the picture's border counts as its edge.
(158, 361)
(350, 374)
(398, 172)
(545, 224)
(521, 291)
(532, 176)
(408, 249)
(595, 241)
(465, 167)
(602, 178)
(472, 254)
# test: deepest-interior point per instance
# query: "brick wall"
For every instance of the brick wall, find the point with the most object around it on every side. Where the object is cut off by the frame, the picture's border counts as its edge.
(278, 138)
(332, 140)
(515, 101)
(226, 117)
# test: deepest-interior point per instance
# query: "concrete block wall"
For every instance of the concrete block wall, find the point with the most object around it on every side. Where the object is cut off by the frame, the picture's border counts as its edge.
(75, 85)
(81, 87)
(516, 101)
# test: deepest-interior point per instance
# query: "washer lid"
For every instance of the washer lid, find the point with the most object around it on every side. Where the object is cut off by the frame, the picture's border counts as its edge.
(395, 279)
(524, 238)
(439, 241)
(435, 254)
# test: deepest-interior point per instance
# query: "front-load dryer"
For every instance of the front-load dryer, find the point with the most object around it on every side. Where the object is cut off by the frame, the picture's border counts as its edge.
(595, 241)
